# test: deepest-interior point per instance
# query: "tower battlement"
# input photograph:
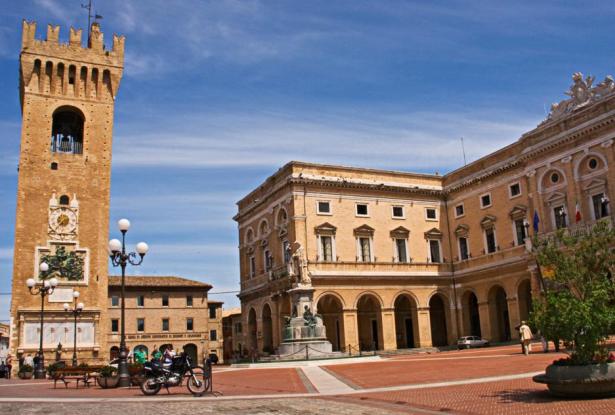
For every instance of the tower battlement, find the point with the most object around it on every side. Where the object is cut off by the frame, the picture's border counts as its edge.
(94, 51)
(54, 68)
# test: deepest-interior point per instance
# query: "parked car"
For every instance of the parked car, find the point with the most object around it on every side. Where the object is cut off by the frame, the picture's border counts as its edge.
(467, 342)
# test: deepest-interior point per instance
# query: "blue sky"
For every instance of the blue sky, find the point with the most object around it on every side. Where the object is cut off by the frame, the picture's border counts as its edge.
(217, 95)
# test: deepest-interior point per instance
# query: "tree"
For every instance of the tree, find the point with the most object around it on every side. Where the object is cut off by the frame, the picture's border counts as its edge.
(578, 305)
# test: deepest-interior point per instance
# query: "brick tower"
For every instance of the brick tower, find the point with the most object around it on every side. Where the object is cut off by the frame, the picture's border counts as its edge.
(67, 94)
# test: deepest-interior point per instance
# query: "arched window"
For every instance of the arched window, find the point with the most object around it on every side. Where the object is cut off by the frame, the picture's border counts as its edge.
(67, 131)
(64, 200)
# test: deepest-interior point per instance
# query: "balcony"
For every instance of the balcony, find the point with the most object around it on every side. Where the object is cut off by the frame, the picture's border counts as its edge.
(368, 268)
(579, 229)
(489, 259)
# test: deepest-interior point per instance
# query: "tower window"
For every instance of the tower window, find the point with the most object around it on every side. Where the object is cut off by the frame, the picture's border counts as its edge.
(54, 166)
(67, 131)
(64, 200)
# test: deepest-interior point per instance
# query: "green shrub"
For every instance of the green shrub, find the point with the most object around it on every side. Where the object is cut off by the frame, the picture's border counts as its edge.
(107, 371)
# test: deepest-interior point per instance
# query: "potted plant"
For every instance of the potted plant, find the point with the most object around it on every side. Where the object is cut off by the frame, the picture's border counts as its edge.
(52, 368)
(108, 377)
(25, 372)
(578, 307)
(135, 370)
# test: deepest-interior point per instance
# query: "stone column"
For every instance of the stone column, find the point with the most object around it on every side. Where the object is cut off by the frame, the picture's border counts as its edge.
(389, 340)
(513, 316)
(351, 332)
(276, 326)
(485, 320)
(424, 323)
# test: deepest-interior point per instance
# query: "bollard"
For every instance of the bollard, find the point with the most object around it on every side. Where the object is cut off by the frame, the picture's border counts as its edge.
(307, 355)
(349, 350)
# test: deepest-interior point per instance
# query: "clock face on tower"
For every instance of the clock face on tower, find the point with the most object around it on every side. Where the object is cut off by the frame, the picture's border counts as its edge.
(63, 222)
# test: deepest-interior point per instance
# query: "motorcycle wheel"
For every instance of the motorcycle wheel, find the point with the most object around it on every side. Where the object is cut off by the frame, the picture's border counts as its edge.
(150, 387)
(196, 386)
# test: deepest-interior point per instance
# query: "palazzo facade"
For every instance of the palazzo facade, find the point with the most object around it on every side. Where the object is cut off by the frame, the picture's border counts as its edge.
(401, 260)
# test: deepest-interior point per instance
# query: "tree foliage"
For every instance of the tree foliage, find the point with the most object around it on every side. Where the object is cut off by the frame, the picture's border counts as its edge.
(578, 305)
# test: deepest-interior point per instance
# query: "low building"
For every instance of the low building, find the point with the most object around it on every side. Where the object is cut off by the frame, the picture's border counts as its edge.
(163, 311)
(232, 333)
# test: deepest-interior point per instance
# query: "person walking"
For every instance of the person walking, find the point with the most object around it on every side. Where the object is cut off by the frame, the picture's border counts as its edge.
(9, 365)
(526, 337)
(29, 360)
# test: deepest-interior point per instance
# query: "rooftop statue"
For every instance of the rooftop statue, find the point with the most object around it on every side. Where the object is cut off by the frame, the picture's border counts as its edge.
(581, 93)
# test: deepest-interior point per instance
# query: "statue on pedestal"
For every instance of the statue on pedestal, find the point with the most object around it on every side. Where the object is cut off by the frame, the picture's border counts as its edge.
(298, 266)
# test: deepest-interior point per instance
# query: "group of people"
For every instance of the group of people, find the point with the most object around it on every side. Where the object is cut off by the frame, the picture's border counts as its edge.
(139, 355)
(5, 366)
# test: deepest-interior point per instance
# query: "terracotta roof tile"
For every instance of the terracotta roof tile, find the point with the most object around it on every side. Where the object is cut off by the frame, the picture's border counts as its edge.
(156, 281)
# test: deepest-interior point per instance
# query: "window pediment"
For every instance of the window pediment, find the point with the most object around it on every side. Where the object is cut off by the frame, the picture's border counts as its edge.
(595, 184)
(518, 212)
(488, 222)
(556, 197)
(462, 230)
(325, 229)
(400, 232)
(364, 230)
(433, 233)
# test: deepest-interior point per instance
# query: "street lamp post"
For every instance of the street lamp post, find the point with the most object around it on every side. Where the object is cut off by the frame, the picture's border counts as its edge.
(44, 289)
(76, 310)
(119, 257)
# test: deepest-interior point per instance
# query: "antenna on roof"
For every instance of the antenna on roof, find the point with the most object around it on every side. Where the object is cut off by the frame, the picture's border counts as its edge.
(463, 150)
(96, 17)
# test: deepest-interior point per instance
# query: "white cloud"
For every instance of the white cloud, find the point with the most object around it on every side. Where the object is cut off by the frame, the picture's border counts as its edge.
(412, 141)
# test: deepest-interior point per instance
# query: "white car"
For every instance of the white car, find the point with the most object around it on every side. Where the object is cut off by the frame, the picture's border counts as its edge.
(467, 342)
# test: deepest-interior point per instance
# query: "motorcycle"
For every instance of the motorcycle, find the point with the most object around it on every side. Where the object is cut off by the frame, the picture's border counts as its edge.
(158, 374)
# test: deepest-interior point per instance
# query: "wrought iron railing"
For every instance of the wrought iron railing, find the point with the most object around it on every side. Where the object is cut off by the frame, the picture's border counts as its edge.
(66, 144)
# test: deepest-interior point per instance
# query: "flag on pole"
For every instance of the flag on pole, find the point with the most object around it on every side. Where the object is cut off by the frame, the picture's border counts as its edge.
(577, 215)
(536, 221)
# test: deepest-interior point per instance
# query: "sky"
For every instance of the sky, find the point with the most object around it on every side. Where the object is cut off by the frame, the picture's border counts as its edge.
(217, 95)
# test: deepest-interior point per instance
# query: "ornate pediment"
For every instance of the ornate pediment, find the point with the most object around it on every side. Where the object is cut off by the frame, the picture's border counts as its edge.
(488, 221)
(595, 184)
(518, 212)
(400, 232)
(364, 230)
(462, 230)
(581, 93)
(325, 229)
(433, 233)
(556, 197)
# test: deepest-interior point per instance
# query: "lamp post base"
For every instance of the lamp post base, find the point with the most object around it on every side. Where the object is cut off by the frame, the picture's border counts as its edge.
(39, 371)
(122, 368)
(74, 361)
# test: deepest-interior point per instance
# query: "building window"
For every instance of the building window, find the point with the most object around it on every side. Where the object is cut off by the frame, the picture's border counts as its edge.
(140, 324)
(365, 251)
(140, 301)
(165, 324)
(592, 163)
(463, 248)
(252, 267)
(64, 200)
(115, 301)
(213, 335)
(401, 253)
(485, 200)
(490, 243)
(189, 324)
(434, 251)
(398, 212)
(165, 300)
(67, 131)
(189, 301)
(323, 207)
(601, 206)
(514, 190)
(212, 311)
(554, 178)
(431, 214)
(238, 328)
(459, 211)
(361, 209)
(326, 248)
(520, 231)
(559, 213)
(268, 259)
(115, 324)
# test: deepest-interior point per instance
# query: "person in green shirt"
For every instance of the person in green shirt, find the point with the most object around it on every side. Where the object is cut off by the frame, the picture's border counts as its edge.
(140, 356)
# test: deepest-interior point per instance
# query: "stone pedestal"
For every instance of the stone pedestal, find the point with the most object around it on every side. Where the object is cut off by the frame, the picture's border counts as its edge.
(304, 335)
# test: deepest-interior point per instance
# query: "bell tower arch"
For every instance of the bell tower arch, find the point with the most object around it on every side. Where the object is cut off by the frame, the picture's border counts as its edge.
(67, 96)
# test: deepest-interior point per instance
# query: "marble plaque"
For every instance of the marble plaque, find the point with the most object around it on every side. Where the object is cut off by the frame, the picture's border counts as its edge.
(61, 295)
